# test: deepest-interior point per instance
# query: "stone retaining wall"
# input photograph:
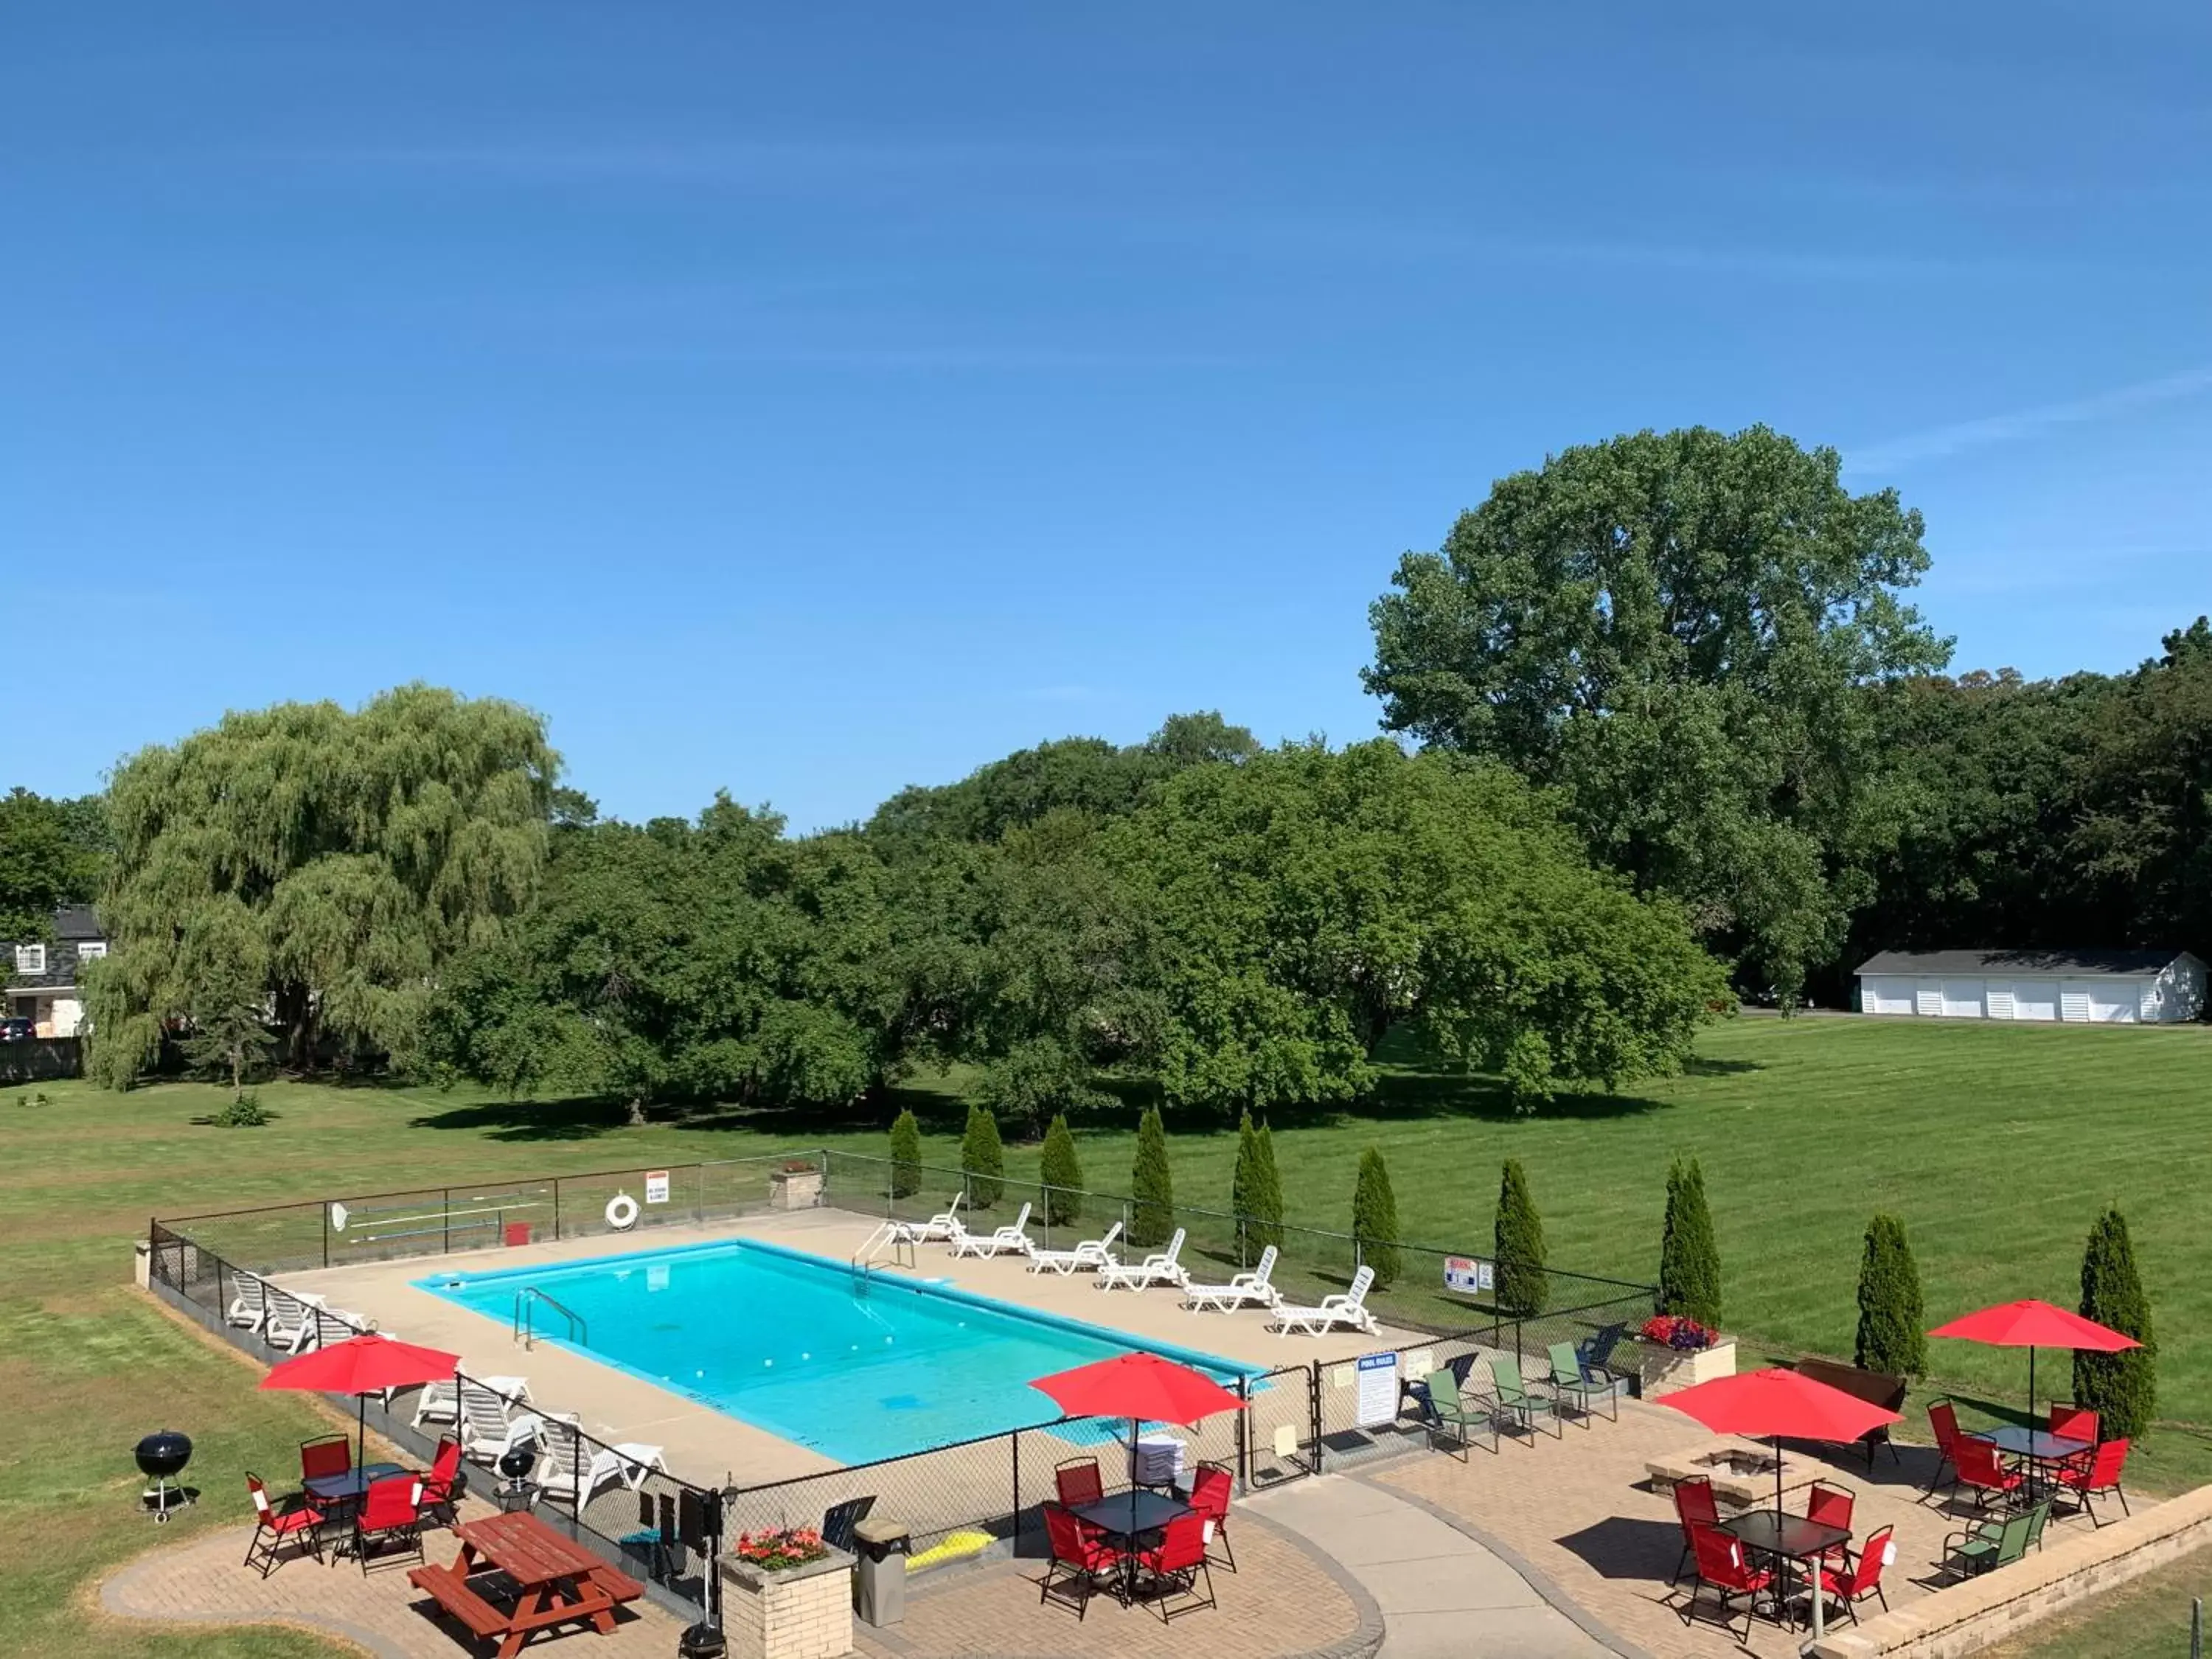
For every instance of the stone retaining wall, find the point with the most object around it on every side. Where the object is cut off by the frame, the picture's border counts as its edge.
(1968, 1617)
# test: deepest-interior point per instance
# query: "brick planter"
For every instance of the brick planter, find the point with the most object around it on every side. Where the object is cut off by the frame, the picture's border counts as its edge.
(800, 1612)
(795, 1189)
(1662, 1369)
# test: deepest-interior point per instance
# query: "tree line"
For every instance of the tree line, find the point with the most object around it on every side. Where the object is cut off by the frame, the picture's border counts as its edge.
(1681, 738)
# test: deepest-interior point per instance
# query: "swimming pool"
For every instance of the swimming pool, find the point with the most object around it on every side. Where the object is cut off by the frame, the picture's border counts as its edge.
(789, 1343)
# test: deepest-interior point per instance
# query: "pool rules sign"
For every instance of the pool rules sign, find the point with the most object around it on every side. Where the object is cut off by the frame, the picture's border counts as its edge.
(656, 1186)
(1378, 1389)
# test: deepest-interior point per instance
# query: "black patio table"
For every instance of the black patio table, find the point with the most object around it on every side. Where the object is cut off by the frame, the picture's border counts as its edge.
(1788, 1539)
(2036, 1446)
(1127, 1515)
(348, 1488)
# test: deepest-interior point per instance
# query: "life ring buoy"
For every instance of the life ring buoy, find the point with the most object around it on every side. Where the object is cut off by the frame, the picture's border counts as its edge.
(621, 1213)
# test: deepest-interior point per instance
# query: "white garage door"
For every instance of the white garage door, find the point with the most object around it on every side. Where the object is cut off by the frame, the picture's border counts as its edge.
(2035, 999)
(1886, 994)
(2115, 1002)
(1964, 999)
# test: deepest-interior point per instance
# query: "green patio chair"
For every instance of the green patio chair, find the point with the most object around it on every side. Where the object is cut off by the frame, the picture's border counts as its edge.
(1447, 1409)
(1513, 1396)
(1570, 1384)
(2036, 1517)
(1990, 1544)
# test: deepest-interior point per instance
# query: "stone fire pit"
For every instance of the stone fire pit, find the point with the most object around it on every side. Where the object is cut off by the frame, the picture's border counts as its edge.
(1741, 1471)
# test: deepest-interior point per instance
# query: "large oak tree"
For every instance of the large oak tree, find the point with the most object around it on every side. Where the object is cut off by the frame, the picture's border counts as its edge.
(1679, 629)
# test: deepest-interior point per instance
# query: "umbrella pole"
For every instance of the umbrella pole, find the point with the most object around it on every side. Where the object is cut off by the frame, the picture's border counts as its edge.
(359, 1433)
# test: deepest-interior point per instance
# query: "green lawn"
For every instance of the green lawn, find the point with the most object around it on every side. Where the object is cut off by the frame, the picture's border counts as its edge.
(1997, 1144)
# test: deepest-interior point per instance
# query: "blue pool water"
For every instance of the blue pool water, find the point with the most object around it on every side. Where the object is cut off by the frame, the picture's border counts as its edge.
(785, 1342)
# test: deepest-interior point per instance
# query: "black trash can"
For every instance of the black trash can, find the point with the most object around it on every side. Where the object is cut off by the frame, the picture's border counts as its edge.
(879, 1583)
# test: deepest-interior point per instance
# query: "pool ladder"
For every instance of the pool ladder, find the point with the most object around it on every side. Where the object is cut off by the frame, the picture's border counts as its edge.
(888, 1235)
(526, 1318)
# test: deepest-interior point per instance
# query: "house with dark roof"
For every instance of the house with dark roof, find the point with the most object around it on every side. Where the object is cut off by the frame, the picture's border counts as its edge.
(2117, 987)
(42, 980)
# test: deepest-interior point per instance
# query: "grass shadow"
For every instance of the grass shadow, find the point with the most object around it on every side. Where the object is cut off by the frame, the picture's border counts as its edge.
(529, 1120)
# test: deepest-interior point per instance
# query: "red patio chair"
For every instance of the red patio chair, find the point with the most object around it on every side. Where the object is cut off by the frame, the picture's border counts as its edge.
(1209, 1495)
(1983, 1471)
(2074, 1423)
(1695, 1507)
(2099, 1476)
(325, 1456)
(1852, 1584)
(294, 1519)
(1943, 1423)
(1080, 1559)
(1721, 1564)
(1831, 1507)
(1077, 1482)
(2070, 1422)
(390, 1511)
(441, 1487)
(1177, 1565)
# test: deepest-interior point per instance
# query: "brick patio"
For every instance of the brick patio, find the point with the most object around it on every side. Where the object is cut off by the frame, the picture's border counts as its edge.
(1282, 1602)
(1581, 1512)
(204, 1583)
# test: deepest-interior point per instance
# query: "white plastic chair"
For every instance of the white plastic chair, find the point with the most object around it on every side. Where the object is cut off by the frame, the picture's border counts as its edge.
(249, 1303)
(1007, 1240)
(1251, 1290)
(1092, 1252)
(489, 1443)
(1165, 1268)
(940, 1229)
(437, 1403)
(292, 1320)
(1349, 1308)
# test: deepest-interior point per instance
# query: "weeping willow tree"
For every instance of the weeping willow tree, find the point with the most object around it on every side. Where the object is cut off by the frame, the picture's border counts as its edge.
(365, 849)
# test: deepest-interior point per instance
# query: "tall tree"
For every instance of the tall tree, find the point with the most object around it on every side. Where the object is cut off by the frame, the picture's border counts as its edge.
(369, 849)
(1152, 1183)
(906, 1154)
(226, 965)
(1303, 904)
(983, 1156)
(1375, 1219)
(1678, 629)
(680, 962)
(51, 852)
(1061, 1172)
(1264, 1225)
(1517, 1247)
(1689, 1259)
(2122, 1388)
(1891, 1332)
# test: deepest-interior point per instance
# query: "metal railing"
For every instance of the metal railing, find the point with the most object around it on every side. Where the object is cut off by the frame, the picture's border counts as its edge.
(642, 1517)
(526, 1318)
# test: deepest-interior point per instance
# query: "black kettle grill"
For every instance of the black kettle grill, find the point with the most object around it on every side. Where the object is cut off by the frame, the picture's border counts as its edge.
(162, 1458)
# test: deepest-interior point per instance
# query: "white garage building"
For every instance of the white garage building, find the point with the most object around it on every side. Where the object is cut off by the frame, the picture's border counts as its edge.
(2125, 987)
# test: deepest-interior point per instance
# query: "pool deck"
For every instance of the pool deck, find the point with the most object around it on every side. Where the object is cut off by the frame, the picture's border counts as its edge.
(703, 1443)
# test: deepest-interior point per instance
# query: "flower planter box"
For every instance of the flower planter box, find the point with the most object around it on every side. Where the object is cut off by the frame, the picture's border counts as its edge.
(795, 1189)
(1662, 1370)
(792, 1613)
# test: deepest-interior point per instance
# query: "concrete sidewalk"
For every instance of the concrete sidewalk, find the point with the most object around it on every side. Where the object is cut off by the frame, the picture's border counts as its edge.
(1444, 1596)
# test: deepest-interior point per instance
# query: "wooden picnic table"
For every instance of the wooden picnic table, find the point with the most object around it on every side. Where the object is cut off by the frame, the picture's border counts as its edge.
(557, 1581)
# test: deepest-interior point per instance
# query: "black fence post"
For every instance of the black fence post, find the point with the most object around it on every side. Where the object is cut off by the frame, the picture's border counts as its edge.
(1313, 1408)
(557, 1209)
(326, 1232)
(446, 1207)
(1245, 1432)
(1016, 1437)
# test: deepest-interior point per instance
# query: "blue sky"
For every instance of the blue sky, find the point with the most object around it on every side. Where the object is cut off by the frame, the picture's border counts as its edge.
(810, 400)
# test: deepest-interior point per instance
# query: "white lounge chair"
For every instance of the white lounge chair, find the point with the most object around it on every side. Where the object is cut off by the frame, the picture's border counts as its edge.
(573, 1469)
(1090, 1253)
(493, 1442)
(1165, 1268)
(1349, 1308)
(1251, 1290)
(1006, 1240)
(940, 1229)
(249, 1303)
(437, 1403)
(293, 1321)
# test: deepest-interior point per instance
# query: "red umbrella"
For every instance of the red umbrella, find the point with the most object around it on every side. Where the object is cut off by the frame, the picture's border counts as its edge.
(361, 1366)
(2032, 1325)
(1141, 1387)
(1776, 1405)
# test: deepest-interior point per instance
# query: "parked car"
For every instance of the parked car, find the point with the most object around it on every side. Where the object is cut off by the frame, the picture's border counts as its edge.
(14, 1027)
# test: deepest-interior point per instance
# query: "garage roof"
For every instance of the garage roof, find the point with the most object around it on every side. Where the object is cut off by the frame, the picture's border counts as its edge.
(2088, 964)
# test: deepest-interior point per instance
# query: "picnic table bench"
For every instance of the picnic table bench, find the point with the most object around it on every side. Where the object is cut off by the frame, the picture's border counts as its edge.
(557, 1581)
